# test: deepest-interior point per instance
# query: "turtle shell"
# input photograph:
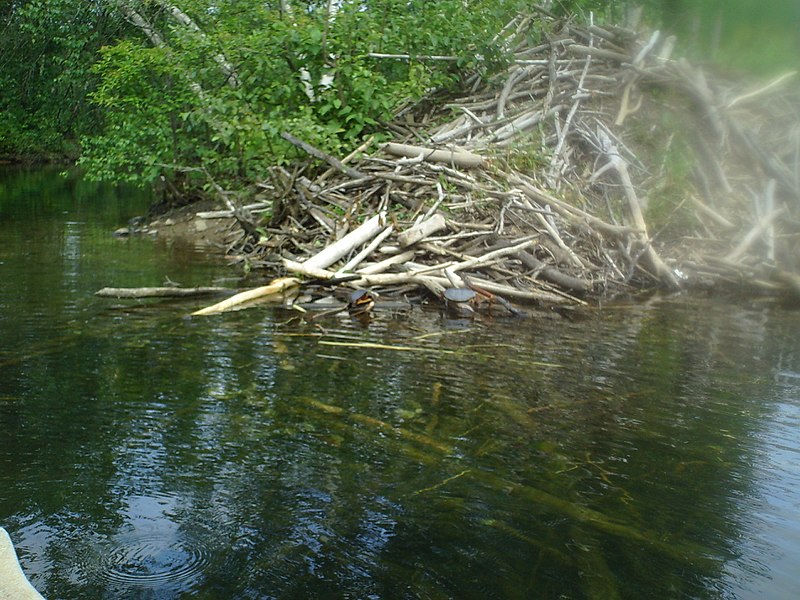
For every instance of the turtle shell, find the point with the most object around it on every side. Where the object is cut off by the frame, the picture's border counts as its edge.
(459, 295)
(361, 300)
(359, 296)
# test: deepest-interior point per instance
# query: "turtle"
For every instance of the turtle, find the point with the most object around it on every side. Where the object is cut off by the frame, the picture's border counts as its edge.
(460, 300)
(361, 302)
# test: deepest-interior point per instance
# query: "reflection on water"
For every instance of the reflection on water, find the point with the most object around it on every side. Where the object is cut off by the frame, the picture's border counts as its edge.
(649, 451)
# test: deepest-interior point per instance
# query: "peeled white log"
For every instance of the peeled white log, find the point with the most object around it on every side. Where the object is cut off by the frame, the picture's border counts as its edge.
(358, 258)
(454, 279)
(495, 254)
(618, 164)
(277, 289)
(223, 214)
(381, 266)
(711, 213)
(302, 269)
(360, 235)
(755, 233)
(428, 281)
(523, 122)
(420, 232)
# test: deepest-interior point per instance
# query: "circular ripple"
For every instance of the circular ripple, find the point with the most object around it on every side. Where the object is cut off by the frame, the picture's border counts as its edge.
(153, 561)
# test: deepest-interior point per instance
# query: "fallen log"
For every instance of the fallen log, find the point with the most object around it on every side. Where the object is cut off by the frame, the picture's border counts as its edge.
(431, 276)
(618, 164)
(359, 258)
(317, 153)
(757, 230)
(458, 158)
(419, 232)
(381, 266)
(553, 275)
(226, 214)
(362, 234)
(277, 291)
(495, 254)
(160, 292)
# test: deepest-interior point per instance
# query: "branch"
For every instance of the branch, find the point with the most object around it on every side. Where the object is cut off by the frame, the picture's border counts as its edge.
(317, 153)
(159, 292)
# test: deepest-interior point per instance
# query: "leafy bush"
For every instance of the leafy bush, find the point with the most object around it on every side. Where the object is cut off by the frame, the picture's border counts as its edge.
(169, 111)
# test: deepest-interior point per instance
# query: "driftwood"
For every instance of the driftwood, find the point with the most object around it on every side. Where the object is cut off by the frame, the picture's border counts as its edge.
(277, 291)
(373, 245)
(422, 277)
(160, 292)
(226, 214)
(620, 166)
(335, 163)
(553, 275)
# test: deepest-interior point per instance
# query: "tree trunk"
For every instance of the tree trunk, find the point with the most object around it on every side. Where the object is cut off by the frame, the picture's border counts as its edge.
(137, 20)
(231, 78)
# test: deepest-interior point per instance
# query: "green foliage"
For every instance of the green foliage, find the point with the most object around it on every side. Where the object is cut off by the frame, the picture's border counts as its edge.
(146, 114)
(142, 103)
(74, 69)
(46, 51)
(171, 115)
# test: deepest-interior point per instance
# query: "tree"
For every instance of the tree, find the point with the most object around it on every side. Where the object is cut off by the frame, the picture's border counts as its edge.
(46, 51)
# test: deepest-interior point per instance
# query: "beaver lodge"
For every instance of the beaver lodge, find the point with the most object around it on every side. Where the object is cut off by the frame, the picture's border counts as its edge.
(596, 165)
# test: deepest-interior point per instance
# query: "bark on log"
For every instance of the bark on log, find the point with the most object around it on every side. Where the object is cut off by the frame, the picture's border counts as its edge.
(553, 275)
(458, 158)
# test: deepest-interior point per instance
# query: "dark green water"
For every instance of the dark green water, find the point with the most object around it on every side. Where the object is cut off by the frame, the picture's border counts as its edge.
(644, 452)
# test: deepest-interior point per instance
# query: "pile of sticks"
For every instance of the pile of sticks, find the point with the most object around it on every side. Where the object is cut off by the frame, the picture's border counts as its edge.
(530, 182)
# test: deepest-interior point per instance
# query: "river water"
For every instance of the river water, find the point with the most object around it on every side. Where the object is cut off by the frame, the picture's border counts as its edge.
(641, 451)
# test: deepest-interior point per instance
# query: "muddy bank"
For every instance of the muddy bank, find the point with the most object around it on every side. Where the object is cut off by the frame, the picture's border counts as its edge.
(185, 226)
